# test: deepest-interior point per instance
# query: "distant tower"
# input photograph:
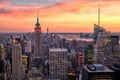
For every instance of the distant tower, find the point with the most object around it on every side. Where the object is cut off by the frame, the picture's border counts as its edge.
(16, 61)
(97, 27)
(38, 40)
(99, 14)
(47, 30)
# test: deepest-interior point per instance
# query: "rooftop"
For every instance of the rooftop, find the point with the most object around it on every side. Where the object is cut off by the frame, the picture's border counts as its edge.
(105, 70)
(58, 50)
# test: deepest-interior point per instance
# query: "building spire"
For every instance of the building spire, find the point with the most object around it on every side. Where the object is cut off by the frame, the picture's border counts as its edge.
(47, 30)
(37, 23)
(99, 13)
(37, 13)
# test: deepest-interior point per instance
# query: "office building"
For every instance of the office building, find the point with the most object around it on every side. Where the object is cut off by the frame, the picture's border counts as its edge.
(2, 53)
(116, 68)
(5, 66)
(100, 73)
(34, 74)
(58, 68)
(115, 56)
(98, 30)
(2, 66)
(28, 52)
(107, 49)
(103, 48)
(88, 58)
(114, 40)
(38, 40)
(115, 43)
(104, 44)
(24, 64)
(28, 47)
(16, 61)
(80, 59)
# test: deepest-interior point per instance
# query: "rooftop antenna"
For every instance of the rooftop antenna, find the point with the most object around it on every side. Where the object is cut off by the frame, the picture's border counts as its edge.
(99, 13)
(37, 23)
(37, 12)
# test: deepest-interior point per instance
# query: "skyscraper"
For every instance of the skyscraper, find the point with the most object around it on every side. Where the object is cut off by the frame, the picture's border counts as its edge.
(115, 49)
(103, 49)
(114, 40)
(2, 66)
(98, 30)
(101, 72)
(28, 51)
(58, 64)
(16, 61)
(47, 30)
(38, 40)
(80, 59)
(88, 56)
(2, 55)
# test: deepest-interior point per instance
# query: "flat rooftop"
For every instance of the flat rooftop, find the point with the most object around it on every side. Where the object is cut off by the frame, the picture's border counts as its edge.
(106, 70)
(58, 50)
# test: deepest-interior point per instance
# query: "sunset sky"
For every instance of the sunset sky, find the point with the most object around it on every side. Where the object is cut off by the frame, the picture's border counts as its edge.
(58, 15)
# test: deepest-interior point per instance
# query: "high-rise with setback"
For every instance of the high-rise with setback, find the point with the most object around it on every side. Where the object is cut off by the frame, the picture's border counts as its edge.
(38, 40)
(16, 61)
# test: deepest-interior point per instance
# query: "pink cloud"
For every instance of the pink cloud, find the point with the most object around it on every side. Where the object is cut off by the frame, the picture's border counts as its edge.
(4, 4)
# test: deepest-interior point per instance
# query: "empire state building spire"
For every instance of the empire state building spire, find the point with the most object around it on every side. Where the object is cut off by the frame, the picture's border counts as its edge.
(37, 23)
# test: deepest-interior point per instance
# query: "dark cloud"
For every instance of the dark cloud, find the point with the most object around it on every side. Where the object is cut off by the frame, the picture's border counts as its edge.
(5, 11)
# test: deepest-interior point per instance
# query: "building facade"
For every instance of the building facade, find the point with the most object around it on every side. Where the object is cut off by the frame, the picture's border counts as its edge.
(2, 63)
(58, 68)
(80, 59)
(16, 61)
(98, 30)
(88, 56)
(2, 55)
(101, 73)
(38, 40)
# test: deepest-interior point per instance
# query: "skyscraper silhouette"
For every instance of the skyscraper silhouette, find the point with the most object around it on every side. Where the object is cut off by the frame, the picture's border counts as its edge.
(38, 40)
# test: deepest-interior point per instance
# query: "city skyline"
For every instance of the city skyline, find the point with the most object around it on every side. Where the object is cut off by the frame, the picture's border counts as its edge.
(58, 15)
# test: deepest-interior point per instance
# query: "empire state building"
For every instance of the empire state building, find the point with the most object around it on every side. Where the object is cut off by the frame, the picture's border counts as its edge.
(38, 40)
